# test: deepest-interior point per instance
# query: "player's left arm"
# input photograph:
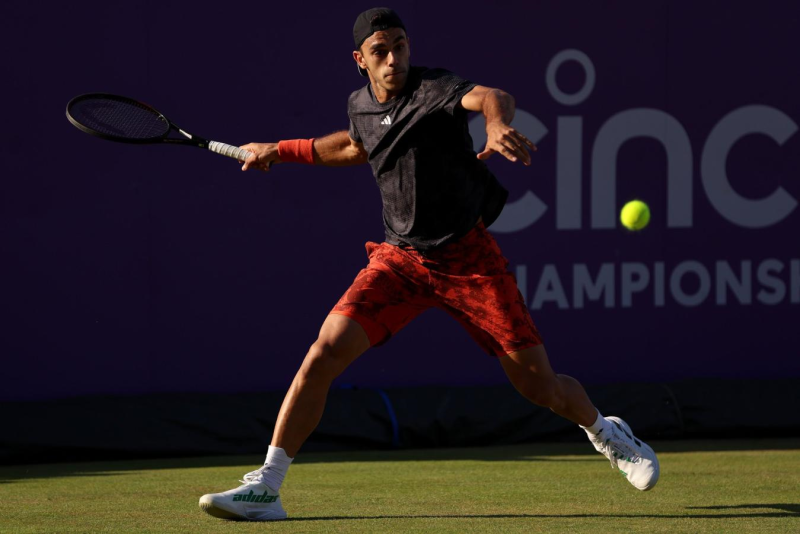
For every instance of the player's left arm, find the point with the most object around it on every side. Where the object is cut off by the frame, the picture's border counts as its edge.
(498, 108)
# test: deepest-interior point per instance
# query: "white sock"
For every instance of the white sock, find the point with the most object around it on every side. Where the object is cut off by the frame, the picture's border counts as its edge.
(277, 464)
(598, 426)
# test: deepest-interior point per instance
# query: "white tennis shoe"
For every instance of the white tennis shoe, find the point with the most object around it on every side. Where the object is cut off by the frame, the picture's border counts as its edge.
(633, 457)
(252, 501)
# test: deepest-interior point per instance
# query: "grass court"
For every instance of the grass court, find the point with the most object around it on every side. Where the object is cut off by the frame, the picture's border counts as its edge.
(705, 486)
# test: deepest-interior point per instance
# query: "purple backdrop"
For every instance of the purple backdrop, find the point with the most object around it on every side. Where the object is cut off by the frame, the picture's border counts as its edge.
(131, 269)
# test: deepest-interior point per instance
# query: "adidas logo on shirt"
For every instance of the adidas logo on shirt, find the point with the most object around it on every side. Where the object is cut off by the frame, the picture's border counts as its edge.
(387, 120)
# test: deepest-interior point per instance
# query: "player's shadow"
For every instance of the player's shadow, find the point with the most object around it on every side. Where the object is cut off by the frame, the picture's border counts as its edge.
(790, 509)
(786, 510)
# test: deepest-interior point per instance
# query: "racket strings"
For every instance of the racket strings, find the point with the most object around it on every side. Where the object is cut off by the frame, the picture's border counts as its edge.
(120, 118)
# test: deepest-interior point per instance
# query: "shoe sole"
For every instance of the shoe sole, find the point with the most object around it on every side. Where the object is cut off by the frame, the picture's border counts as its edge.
(213, 511)
(207, 505)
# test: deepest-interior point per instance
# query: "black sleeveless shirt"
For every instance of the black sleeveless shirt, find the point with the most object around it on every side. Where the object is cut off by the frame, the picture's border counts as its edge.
(434, 188)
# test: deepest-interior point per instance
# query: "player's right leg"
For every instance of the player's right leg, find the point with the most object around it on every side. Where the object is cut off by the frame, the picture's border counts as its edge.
(341, 340)
(383, 298)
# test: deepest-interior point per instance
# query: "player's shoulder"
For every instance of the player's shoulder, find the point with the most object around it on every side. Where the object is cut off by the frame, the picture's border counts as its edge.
(438, 75)
(439, 79)
(359, 99)
(361, 94)
(435, 73)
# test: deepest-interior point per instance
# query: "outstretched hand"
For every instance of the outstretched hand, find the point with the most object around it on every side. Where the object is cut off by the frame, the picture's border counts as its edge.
(507, 141)
(262, 158)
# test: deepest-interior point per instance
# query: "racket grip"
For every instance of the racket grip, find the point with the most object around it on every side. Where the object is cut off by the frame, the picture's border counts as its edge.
(228, 150)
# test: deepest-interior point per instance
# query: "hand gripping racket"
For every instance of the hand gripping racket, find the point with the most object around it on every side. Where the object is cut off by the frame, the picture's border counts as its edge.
(123, 119)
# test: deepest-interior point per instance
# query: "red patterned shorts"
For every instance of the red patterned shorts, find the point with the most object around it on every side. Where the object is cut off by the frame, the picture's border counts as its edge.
(469, 279)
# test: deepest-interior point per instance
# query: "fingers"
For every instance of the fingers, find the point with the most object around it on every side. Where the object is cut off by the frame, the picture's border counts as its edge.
(247, 163)
(251, 164)
(254, 160)
(525, 140)
(511, 144)
(510, 151)
(515, 144)
(250, 158)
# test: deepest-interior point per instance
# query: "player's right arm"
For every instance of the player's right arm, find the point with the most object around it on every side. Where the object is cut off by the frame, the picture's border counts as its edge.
(338, 150)
(334, 150)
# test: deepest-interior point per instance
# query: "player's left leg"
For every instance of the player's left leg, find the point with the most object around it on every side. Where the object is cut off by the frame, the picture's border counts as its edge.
(530, 373)
(474, 285)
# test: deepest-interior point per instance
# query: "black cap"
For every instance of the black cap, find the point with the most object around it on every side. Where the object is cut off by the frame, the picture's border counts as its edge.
(371, 21)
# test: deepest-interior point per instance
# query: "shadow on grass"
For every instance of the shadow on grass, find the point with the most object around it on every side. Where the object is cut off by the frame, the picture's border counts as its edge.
(790, 509)
(787, 510)
(536, 452)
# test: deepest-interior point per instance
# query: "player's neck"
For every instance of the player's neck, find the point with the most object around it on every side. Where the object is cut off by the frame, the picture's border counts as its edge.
(382, 94)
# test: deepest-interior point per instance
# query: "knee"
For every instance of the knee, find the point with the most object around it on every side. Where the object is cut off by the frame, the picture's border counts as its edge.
(541, 391)
(319, 363)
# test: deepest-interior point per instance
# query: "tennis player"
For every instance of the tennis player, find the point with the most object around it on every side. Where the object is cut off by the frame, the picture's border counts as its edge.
(410, 124)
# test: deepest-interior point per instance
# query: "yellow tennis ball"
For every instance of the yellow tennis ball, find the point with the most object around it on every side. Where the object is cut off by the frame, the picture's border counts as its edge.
(635, 215)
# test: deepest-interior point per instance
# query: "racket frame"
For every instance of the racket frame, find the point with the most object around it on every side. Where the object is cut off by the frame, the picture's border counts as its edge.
(191, 139)
(224, 149)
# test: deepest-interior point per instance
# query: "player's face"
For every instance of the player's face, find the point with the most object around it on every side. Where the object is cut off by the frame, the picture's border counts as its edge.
(385, 56)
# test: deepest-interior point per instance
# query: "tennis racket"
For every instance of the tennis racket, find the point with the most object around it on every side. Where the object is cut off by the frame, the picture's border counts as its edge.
(123, 119)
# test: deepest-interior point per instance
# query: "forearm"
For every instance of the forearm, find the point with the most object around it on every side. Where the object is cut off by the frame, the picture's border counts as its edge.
(337, 150)
(334, 150)
(498, 106)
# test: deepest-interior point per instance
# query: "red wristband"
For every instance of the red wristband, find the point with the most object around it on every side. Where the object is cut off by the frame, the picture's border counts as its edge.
(296, 151)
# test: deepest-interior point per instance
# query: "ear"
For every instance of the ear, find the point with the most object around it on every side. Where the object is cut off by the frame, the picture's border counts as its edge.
(359, 59)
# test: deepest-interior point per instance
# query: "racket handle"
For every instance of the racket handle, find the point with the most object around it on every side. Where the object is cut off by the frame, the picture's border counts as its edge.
(229, 150)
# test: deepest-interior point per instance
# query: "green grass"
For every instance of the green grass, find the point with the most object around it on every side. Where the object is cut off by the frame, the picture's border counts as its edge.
(705, 486)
